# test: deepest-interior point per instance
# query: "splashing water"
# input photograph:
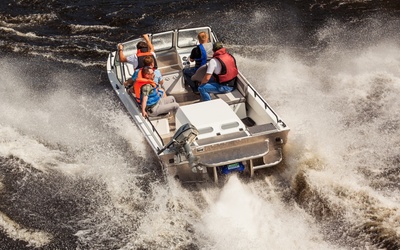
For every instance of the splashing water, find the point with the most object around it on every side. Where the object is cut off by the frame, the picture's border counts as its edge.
(342, 108)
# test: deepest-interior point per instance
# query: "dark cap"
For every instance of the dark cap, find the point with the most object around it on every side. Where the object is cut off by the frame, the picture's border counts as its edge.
(217, 46)
(142, 45)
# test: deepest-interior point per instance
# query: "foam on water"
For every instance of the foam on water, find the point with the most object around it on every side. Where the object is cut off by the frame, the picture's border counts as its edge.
(81, 136)
(34, 238)
(342, 107)
(239, 218)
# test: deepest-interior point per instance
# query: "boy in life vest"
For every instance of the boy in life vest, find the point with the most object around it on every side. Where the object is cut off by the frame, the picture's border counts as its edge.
(144, 48)
(221, 73)
(158, 79)
(147, 96)
(200, 54)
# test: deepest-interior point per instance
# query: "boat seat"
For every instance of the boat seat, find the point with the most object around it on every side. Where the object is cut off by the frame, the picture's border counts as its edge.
(161, 116)
(238, 95)
(233, 97)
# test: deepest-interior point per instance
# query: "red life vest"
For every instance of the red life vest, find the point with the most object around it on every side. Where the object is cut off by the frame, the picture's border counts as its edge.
(139, 83)
(140, 56)
(229, 69)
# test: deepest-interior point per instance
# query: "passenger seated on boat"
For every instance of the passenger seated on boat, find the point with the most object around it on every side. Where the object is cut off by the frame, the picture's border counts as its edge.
(145, 90)
(158, 79)
(200, 54)
(221, 74)
(144, 48)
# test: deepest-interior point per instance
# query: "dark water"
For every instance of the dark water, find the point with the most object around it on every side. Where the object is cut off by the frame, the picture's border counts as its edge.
(75, 173)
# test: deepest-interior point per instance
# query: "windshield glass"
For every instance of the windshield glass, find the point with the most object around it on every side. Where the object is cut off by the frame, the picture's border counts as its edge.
(188, 37)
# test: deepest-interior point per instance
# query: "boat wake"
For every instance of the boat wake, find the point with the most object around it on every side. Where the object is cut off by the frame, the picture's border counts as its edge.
(255, 216)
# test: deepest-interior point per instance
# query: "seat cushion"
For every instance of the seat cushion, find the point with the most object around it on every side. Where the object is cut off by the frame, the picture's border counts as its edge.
(233, 97)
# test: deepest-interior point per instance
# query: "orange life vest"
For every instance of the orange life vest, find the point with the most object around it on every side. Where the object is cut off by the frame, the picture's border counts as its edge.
(139, 83)
(140, 56)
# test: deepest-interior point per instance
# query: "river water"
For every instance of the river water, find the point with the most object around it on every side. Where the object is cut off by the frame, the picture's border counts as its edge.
(76, 174)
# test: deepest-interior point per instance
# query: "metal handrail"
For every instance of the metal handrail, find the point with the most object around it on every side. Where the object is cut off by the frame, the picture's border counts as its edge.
(266, 106)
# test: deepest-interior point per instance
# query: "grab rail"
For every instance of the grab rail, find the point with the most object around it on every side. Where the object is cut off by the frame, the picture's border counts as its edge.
(266, 106)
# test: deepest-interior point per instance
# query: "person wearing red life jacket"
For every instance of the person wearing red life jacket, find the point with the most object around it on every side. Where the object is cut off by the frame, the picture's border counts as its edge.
(145, 90)
(221, 73)
(144, 48)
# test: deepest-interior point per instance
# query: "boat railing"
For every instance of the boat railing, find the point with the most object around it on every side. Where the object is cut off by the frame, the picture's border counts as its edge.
(121, 81)
(259, 97)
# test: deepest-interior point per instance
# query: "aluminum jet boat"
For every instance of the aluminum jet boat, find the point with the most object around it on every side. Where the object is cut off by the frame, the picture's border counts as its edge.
(202, 141)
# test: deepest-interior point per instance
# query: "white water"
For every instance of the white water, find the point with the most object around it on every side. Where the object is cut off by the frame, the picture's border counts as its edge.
(241, 218)
(343, 112)
(33, 238)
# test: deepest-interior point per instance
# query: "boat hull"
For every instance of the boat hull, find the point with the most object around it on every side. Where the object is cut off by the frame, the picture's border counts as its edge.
(235, 132)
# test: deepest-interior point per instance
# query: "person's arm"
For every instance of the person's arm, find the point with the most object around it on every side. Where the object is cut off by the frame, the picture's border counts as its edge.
(195, 54)
(147, 39)
(122, 57)
(128, 82)
(145, 91)
(211, 65)
(158, 78)
(144, 104)
(205, 79)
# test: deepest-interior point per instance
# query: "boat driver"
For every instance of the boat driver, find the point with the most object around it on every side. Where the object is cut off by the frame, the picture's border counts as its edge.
(221, 73)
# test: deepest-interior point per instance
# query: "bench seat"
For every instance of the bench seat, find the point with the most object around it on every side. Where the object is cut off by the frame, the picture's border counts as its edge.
(233, 97)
